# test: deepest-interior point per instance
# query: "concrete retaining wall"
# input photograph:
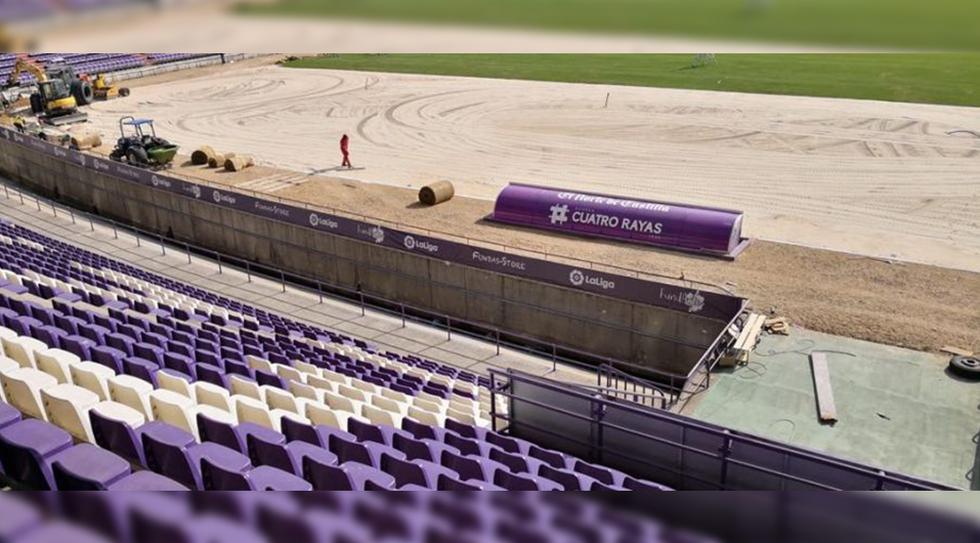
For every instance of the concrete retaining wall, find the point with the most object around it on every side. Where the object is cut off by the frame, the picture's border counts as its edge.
(646, 335)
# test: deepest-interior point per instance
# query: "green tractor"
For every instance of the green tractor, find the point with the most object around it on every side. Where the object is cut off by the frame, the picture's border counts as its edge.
(142, 149)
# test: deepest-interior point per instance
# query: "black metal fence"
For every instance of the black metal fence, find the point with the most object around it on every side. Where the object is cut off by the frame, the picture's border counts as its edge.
(668, 448)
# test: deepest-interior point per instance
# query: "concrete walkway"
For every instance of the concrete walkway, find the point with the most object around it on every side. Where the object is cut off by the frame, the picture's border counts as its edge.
(897, 409)
(385, 330)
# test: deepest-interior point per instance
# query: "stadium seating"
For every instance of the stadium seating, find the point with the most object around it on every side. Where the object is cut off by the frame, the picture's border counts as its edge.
(32, 10)
(324, 517)
(90, 63)
(106, 369)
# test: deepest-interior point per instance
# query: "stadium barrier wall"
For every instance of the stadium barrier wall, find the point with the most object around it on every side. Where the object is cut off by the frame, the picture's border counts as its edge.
(662, 327)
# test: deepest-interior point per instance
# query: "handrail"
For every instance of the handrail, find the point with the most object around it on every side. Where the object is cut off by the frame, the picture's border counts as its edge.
(505, 380)
(613, 374)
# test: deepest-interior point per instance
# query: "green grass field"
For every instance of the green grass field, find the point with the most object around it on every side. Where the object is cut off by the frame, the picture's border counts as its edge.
(907, 24)
(928, 78)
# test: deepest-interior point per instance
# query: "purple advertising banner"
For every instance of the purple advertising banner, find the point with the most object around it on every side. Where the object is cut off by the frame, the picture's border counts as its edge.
(691, 228)
(704, 303)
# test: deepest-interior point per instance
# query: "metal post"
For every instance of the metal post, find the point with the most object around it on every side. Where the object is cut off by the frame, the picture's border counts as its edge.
(72, 211)
(21, 194)
(220, 271)
(726, 451)
(498, 341)
(115, 234)
(319, 290)
(880, 480)
(597, 414)
(361, 295)
(493, 402)
(403, 314)
(282, 277)
(139, 242)
(38, 202)
(91, 224)
(449, 328)
(187, 251)
(163, 248)
(6, 191)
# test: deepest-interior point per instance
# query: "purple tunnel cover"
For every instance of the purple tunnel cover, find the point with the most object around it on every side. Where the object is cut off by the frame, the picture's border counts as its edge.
(688, 227)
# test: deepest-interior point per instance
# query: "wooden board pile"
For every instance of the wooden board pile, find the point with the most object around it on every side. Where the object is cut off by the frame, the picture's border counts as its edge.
(745, 342)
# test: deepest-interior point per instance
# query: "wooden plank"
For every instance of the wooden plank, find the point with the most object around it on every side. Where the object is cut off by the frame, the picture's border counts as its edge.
(750, 324)
(825, 394)
(754, 330)
(955, 351)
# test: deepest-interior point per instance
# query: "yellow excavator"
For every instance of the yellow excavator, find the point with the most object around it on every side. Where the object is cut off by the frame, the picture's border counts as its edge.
(54, 102)
(103, 90)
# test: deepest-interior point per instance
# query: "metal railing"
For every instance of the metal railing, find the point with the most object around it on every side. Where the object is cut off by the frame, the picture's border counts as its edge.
(620, 385)
(726, 453)
(670, 387)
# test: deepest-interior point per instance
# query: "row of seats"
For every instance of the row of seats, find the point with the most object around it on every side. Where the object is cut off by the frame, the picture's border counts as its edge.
(293, 339)
(129, 376)
(94, 405)
(38, 455)
(88, 63)
(329, 517)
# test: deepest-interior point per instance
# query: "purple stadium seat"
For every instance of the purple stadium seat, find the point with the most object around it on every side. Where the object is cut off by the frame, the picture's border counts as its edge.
(87, 467)
(415, 472)
(347, 476)
(449, 483)
(26, 450)
(232, 471)
(172, 452)
(143, 481)
(471, 467)
(286, 456)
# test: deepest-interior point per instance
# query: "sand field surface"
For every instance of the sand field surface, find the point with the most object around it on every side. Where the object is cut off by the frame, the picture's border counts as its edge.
(884, 187)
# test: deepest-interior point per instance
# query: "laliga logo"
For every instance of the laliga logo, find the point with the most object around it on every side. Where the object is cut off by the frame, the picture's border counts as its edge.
(99, 165)
(219, 198)
(413, 244)
(578, 278)
(694, 301)
(196, 191)
(81, 159)
(317, 221)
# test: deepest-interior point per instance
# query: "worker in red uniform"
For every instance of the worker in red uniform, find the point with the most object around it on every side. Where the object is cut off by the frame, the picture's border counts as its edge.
(345, 149)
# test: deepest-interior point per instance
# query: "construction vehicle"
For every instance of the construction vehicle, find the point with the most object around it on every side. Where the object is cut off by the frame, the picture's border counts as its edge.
(107, 91)
(142, 149)
(80, 87)
(53, 102)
